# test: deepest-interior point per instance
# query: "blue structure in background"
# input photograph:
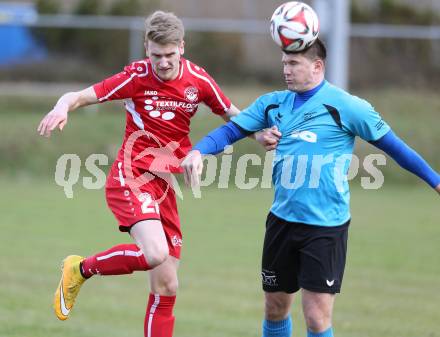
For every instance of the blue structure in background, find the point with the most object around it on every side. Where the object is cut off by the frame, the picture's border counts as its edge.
(17, 45)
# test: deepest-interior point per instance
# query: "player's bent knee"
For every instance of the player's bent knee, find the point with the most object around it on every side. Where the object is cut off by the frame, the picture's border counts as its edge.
(155, 253)
(170, 287)
(150, 238)
(165, 286)
(275, 310)
(317, 322)
(156, 256)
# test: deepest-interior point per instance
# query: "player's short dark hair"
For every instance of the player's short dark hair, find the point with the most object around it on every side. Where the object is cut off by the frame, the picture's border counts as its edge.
(316, 51)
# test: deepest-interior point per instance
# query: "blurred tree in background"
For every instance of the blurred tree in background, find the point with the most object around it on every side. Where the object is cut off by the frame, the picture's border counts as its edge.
(408, 63)
(393, 12)
(220, 53)
(79, 55)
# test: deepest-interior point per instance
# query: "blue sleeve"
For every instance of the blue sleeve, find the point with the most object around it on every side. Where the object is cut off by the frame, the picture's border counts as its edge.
(253, 118)
(364, 121)
(215, 141)
(407, 158)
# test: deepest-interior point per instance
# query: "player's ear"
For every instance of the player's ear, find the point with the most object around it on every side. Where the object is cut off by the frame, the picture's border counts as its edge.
(182, 47)
(146, 48)
(319, 65)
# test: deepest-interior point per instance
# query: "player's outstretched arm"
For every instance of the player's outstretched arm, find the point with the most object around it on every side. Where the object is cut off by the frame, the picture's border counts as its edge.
(407, 158)
(58, 116)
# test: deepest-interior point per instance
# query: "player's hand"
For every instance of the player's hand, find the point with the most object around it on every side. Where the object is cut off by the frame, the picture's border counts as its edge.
(438, 189)
(269, 138)
(192, 166)
(57, 117)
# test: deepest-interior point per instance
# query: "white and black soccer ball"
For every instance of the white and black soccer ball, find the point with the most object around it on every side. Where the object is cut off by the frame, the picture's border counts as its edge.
(294, 26)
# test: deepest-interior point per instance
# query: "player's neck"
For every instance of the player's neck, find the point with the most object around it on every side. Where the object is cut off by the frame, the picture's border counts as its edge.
(313, 84)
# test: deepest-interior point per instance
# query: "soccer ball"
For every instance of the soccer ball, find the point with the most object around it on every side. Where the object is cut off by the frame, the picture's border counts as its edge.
(294, 26)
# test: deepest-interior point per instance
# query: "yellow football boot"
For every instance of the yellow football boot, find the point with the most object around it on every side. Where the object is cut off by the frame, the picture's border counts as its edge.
(68, 289)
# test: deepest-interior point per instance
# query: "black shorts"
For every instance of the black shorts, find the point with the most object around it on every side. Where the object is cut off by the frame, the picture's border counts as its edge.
(297, 255)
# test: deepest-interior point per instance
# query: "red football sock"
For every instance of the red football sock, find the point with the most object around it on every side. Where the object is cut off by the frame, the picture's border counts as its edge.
(118, 260)
(159, 319)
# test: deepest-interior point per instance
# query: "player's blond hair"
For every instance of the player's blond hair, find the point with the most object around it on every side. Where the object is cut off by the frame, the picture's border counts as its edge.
(163, 28)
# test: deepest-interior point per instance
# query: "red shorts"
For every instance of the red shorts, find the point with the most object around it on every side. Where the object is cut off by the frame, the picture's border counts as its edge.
(153, 200)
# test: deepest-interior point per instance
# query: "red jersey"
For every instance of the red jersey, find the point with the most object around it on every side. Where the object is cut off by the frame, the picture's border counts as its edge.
(162, 110)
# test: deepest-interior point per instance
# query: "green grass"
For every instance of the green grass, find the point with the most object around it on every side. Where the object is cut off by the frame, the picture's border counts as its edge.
(390, 286)
(392, 276)
(99, 129)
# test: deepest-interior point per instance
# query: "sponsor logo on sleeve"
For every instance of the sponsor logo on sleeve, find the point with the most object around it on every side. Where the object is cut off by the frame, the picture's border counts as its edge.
(379, 125)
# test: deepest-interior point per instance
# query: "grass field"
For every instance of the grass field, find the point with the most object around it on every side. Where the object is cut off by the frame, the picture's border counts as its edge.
(392, 276)
(390, 287)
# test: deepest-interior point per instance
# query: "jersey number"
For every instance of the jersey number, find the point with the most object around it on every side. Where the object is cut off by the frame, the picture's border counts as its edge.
(148, 205)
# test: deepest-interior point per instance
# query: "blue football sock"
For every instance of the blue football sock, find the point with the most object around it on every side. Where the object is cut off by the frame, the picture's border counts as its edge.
(277, 328)
(326, 333)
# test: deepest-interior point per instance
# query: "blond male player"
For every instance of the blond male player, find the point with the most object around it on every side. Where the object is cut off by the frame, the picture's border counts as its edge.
(161, 94)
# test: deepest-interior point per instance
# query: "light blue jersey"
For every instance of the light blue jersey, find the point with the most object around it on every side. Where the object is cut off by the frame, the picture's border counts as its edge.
(314, 153)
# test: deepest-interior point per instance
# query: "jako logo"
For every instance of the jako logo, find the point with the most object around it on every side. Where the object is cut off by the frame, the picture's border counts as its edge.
(307, 136)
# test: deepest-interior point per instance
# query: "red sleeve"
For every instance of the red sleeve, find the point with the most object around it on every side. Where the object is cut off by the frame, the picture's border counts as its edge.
(121, 85)
(211, 94)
